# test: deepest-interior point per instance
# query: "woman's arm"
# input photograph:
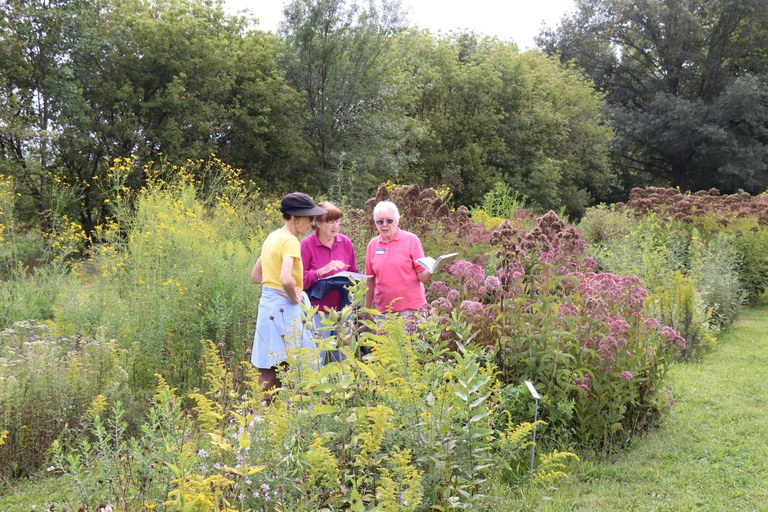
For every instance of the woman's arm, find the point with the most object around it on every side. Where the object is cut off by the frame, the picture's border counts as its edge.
(256, 274)
(311, 275)
(286, 279)
(424, 276)
(371, 281)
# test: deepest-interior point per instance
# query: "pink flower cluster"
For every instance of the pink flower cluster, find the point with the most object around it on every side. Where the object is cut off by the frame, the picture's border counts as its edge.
(607, 294)
(583, 382)
(472, 309)
(445, 298)
(673, 337)
(469, 274)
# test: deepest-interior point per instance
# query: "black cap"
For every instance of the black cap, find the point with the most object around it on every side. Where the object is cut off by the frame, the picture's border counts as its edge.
(300, 204)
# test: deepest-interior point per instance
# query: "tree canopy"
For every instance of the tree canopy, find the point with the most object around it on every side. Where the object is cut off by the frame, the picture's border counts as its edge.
(86, 82)
(686, 82)
(491, 113)
(345, 96)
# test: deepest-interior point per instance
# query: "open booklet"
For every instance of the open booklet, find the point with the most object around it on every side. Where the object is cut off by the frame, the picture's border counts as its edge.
(354, 276)
(433, 265)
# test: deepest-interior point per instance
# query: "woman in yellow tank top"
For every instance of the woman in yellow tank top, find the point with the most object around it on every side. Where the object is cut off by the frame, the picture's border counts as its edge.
(280, 325)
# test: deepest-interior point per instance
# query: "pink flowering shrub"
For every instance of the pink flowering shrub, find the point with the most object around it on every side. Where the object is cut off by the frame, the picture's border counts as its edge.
(581, 336)
(530, 293)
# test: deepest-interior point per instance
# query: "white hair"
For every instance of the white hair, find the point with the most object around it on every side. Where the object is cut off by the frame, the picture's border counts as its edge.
(383, 206)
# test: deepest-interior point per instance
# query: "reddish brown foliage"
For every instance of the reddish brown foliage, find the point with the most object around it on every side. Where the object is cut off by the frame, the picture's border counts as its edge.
(690, 208)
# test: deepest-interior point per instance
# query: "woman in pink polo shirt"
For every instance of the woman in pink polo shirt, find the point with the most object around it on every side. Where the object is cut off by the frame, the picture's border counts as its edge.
(397, 284)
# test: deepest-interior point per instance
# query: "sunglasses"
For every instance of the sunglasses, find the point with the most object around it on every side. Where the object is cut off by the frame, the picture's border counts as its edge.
(382, 221)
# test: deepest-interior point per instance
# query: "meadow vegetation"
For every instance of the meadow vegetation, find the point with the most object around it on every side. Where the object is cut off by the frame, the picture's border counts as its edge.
(136, 337)
(704, 456)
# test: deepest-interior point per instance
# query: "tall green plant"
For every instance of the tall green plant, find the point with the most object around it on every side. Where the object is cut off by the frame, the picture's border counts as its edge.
(472, 429)
(753, 271)
(65, 374)
(677, 305)
(715, 270)
(502, 201)
(172, 268)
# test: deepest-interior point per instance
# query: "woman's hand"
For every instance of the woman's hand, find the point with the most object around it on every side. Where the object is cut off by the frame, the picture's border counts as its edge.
(333, 266)
(292, 297)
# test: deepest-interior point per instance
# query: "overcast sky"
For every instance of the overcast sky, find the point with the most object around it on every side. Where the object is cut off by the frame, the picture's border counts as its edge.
(515, 20)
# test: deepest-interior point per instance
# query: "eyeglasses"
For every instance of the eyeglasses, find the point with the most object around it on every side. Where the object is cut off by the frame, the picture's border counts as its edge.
(382, 221)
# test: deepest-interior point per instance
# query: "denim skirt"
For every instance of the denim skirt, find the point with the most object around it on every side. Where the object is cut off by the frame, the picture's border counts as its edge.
(280, 329)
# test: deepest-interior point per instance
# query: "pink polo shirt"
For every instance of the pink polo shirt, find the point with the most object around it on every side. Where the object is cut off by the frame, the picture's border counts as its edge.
(393, 265)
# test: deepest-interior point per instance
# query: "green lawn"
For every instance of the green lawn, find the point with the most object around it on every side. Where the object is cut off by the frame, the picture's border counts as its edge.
(711, 453)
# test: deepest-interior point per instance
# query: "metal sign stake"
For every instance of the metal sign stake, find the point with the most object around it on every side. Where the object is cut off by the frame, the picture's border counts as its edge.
(536, 397)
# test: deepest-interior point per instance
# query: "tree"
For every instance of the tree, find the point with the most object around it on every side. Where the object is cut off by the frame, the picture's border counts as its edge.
(338, 56)
(85, 82)
(493, 114)
(180, 79)
(675, 73)
(35, 39)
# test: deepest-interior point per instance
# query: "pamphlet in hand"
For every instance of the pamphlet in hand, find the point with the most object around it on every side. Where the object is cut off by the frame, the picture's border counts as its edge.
(433, 265)
(354, 276)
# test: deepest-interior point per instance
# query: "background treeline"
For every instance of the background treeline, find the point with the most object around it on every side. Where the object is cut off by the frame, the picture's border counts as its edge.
(346, 96)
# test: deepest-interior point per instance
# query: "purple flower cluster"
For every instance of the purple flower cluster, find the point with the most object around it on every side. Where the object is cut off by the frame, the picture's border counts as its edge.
(471, 276)
(583, 382)
(674, 338)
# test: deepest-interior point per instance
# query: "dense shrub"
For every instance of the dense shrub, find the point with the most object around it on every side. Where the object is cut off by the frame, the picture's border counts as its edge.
(47, 383)
(699, 208)
(711, 213)
(582, 337)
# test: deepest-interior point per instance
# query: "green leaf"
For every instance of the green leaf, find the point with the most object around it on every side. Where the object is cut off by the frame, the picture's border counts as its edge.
(477, 402)
(323, 409)
(480, 416)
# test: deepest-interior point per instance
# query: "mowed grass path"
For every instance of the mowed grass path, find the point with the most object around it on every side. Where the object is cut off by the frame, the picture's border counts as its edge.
(711, 453)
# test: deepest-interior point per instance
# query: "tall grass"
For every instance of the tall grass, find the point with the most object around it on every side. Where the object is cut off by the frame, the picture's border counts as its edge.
(170, 267)
(47, 383)
(173, 267)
